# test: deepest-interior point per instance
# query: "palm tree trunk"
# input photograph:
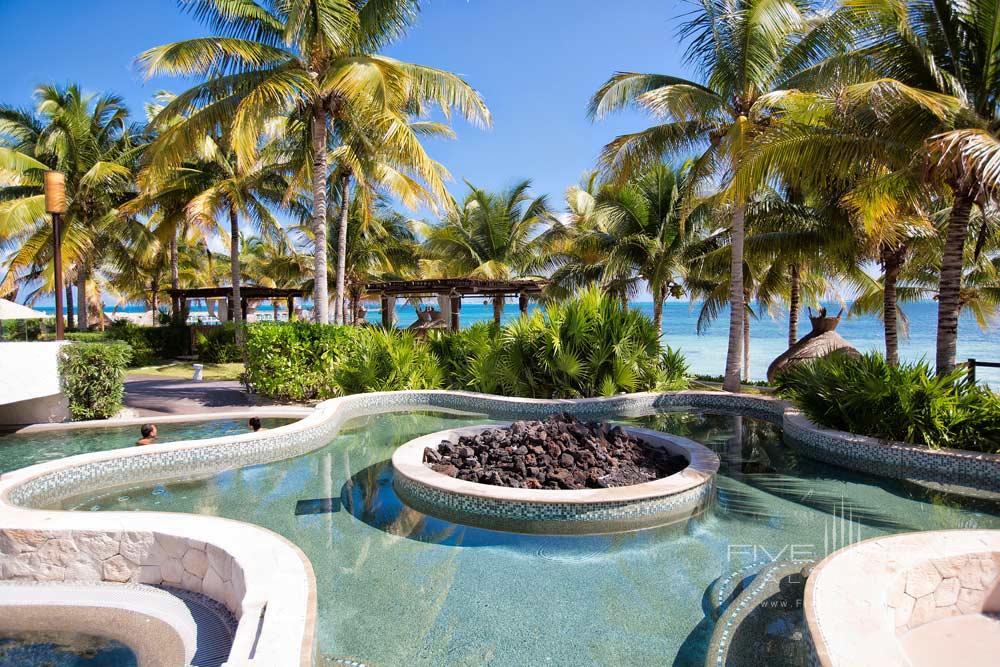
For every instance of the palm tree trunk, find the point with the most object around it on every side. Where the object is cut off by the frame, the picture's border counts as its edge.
(497, 309)
(892, 262)
(81, 297)
(733, 353)
(794, 304)
(746, 337)
(658, 309)
(152, 298)
(345, 201)
(234, 266)
(175, 281)
(950, 287)
(320, 167)
(69, 305)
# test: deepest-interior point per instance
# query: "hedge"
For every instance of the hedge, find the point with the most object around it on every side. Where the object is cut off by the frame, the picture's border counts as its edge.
(92, 375)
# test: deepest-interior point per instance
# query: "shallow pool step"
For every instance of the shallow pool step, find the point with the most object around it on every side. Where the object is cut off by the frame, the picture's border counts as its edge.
(216, 626)
(763, 623)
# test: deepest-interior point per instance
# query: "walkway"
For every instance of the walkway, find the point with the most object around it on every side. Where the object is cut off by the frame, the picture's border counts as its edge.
(150, 396)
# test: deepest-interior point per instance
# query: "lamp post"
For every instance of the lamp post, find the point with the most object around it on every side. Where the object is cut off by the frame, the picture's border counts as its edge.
(55, 203)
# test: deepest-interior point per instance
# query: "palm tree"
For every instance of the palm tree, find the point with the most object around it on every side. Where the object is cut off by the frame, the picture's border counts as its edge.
(231, 193)
(89, 139)
(319, 56)
(495, 236)
(651, 233)
(949, 48)
(745, 50)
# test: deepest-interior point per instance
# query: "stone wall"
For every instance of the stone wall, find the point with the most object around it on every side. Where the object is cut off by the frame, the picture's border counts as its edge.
(965, 584)
(122, 557)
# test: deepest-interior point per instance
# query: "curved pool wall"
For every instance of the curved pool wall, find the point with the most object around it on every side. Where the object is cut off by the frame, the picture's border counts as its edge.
(674, 498)
(48, 442)
(274, 593)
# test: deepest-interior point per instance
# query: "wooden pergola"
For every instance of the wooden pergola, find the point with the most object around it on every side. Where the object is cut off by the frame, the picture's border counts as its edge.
(451, 291)
(180, 297)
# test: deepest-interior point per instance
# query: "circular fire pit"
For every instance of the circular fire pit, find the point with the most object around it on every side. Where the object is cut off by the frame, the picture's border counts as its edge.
(659, 502)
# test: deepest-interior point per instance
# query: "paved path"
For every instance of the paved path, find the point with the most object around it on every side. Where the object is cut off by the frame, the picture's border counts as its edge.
(150, 396)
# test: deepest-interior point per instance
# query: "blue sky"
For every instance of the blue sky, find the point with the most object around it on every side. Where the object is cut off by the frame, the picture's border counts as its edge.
(536, 62)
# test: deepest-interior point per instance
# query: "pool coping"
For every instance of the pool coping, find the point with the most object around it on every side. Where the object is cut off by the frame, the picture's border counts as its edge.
(289, 600)
(264, 412)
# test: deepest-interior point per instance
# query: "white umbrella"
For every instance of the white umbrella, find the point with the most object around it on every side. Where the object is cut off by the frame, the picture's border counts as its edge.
(15, 311)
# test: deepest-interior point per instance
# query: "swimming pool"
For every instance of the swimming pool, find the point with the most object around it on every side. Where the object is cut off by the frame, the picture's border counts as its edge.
(18, 450)
(396, 587)
(47, 649)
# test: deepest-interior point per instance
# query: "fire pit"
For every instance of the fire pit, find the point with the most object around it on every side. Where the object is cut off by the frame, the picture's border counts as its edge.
(560, 475)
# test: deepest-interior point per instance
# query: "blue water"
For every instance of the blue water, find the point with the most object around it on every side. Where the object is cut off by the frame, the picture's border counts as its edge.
(768, 336)
(39, 649)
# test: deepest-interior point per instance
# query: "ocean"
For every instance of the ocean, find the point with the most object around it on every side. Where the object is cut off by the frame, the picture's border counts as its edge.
(706, 353)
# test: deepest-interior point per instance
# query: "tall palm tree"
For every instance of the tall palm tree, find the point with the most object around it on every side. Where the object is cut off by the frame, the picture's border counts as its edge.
(490, 235)
(231, 193)
(90, 139)
(319, 56)
(745, 51)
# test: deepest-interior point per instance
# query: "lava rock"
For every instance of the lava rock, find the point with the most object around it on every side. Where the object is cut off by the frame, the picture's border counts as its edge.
(561, 452)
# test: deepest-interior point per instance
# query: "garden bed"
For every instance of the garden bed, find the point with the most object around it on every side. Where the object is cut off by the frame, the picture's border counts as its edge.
(561, 452)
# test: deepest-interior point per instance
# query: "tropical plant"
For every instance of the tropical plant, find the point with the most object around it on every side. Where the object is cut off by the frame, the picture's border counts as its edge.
(746, 50)
(317, 56)
(467, 357)
(591, 345)
(386, 360)
(903, 402)
(92, 375)
(494, 236)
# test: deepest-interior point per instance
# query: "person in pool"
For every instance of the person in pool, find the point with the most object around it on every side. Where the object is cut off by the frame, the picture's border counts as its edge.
(255, 424)
(148, 432)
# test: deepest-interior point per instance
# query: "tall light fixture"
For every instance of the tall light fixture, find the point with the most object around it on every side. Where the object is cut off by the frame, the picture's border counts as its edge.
(55, 204)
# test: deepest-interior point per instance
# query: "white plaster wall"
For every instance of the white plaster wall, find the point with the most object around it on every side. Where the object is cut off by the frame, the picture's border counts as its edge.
(29, 378)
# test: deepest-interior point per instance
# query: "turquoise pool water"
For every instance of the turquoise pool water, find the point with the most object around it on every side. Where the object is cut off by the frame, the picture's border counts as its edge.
(396, 587)
(36, 649)
(18, 450)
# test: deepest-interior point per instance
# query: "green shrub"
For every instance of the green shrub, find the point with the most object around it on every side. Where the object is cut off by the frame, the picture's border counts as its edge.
(675, 370)
(217, 345)
(381, 360)
(906, 403)
(294, 361)
(150, 344)
(92, 376)
(590, 345)
(40, 329)
(464, 354)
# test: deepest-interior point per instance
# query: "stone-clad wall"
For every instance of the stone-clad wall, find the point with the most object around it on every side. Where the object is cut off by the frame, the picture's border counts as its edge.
(965, 584)
(122, 557)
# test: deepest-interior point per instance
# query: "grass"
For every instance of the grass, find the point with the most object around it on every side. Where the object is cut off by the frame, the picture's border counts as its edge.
(185, 370)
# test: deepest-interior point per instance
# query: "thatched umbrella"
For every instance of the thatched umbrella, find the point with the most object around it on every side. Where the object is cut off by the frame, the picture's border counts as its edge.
(821, 341)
